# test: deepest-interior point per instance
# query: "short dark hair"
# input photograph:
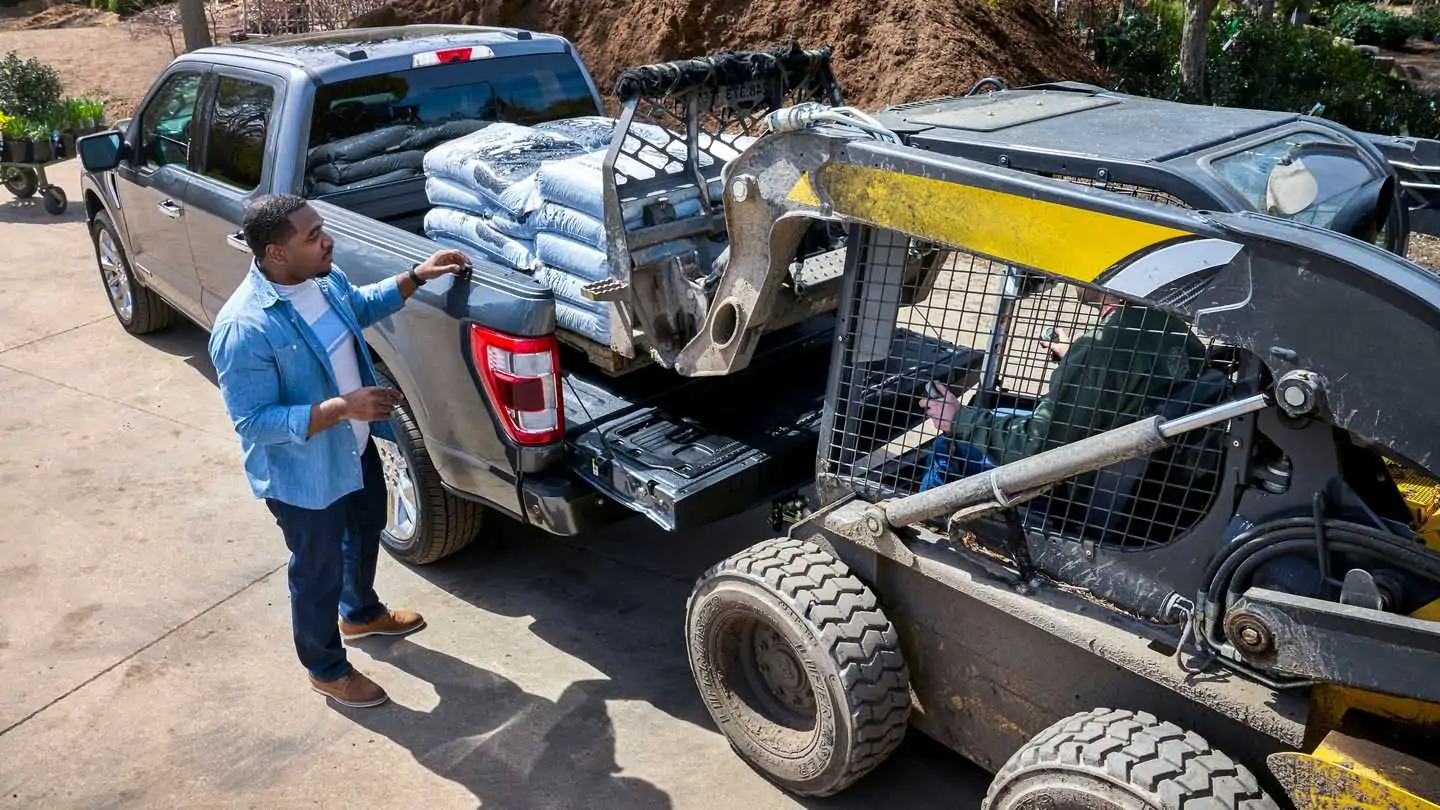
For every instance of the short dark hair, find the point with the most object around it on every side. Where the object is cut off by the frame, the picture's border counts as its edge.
(267, 221)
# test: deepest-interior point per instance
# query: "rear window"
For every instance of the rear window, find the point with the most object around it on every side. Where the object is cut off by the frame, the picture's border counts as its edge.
(523, 90)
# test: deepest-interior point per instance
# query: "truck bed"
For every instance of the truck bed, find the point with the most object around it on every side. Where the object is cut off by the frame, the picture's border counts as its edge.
(689, 451)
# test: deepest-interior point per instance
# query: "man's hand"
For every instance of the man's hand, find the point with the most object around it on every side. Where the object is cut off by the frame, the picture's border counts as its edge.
(440, 263)
(371, 404)
(941, 411)
(1059, 344)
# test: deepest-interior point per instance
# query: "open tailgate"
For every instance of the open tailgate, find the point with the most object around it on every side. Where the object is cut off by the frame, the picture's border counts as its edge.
(690, 451)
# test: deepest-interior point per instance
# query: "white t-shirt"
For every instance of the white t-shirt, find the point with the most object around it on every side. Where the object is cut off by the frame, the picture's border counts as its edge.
(325, 322)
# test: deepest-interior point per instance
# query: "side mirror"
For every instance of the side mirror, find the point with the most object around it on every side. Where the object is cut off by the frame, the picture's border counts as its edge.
(101, 151)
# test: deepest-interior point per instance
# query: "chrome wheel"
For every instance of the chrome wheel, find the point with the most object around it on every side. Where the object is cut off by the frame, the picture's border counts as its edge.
(117, 281)
(402, 508)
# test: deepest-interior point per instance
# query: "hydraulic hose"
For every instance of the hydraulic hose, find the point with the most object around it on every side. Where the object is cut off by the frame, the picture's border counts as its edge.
(1265, 542)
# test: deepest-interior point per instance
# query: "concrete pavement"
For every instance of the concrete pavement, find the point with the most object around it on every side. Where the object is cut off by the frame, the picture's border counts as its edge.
(144, 637)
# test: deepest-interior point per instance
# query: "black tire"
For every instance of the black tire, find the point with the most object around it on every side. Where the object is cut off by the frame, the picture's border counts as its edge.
(1122, 760)
(54, 200)
(148, 312)
(791, 608)
(443, 523)
(22, 183)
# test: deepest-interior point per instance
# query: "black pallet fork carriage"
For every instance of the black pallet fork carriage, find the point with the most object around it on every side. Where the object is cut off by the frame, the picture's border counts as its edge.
(1136, 537)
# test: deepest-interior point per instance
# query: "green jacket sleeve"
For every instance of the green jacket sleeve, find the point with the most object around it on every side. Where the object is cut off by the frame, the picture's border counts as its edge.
(1058, 417)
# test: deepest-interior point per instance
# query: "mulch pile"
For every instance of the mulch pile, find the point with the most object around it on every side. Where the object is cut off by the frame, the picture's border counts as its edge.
(886, 51)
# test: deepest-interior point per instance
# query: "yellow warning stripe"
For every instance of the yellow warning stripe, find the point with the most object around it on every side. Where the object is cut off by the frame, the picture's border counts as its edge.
(1053, 237)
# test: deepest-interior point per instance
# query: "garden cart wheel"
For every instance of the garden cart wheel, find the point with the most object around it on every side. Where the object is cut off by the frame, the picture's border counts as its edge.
(21, 182)
(53, 198)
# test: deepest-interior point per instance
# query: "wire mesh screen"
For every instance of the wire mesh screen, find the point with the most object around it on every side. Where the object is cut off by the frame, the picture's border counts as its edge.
(1154, 195)
(952, 364)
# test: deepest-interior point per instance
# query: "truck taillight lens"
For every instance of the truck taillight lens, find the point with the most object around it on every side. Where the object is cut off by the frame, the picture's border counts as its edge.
(522, 378)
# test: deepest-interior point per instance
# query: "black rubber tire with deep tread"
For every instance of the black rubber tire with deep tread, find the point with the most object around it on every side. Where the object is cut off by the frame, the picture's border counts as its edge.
(1111, 758)
(447, 523)
(149, 312)
(844, 640)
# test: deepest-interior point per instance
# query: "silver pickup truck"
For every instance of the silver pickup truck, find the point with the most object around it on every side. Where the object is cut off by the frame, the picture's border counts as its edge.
(164, 191)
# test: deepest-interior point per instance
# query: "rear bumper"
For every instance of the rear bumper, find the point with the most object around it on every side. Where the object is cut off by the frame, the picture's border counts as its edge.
(563, 505)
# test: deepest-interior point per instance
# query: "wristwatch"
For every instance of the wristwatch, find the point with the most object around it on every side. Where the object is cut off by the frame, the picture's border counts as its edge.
(415, 277)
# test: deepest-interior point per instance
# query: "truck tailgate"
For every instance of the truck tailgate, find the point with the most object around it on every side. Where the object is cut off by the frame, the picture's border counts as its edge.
(689, 451)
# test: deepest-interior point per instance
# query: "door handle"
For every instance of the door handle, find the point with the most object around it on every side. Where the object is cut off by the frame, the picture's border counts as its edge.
(237, 240)
(169, 208)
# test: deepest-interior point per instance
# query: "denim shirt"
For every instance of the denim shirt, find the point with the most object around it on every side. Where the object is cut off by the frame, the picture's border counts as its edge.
(272, 369)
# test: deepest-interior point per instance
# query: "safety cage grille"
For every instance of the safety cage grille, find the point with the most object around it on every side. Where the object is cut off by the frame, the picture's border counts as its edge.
(914, 313)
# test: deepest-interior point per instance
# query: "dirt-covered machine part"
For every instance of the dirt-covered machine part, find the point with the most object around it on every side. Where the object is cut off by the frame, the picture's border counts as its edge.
(1219, 505)
(679, 124)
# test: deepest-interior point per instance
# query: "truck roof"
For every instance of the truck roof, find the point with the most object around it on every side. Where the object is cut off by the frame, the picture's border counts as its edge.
(337, 55)
(1079, 119)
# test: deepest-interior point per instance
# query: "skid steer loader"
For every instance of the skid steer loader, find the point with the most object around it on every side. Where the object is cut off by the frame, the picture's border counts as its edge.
(1158, 531)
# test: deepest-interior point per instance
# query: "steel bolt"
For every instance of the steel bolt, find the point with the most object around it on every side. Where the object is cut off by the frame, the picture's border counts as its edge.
(1250, 636)
(740, 189)
(872, 523)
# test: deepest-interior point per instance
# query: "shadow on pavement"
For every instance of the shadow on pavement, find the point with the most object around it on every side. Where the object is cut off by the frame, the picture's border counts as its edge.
(509, 748)
(615, 599)
(186, 340)
(30, 211)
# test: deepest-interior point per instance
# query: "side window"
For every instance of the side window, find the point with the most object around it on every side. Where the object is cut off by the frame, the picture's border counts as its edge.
(239, 122)
(165, 125)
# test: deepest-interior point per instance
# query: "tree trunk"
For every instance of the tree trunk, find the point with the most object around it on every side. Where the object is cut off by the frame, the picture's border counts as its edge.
(192, 20)
(1192, 45)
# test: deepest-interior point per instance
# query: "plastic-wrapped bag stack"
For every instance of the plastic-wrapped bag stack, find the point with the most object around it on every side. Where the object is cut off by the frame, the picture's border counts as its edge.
(533, 199)
(377, 157)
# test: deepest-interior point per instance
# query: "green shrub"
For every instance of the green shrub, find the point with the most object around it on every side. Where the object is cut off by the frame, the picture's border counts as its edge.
(1270, 66)
(28, 88)
(1368, 25)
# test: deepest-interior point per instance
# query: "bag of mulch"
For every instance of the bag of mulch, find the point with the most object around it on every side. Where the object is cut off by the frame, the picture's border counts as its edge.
(568, 287)
(499, 162)
(450, 194)
(552, 217)
(358, 147)
(428, 137)
(320, 188)
(578, 183)
(459, 225)
(343, 172)
(575, 258)
(585, 322)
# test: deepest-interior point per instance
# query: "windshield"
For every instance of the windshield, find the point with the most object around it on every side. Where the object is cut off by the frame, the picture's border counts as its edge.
(522, 90)
(1301, 176)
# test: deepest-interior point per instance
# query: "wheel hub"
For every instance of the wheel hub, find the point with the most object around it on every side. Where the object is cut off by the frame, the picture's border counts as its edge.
(401, 504)
(781, 671)
(117, 283)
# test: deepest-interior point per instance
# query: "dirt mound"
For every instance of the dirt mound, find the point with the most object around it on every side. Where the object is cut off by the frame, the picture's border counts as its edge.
(886, 51)
(64, 16)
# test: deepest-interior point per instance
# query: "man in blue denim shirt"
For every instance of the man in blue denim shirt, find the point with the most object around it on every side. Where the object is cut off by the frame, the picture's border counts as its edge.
(300, 388)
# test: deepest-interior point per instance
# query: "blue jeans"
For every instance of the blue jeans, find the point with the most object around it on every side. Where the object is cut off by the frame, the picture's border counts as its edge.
(951, 459)
(333, 553)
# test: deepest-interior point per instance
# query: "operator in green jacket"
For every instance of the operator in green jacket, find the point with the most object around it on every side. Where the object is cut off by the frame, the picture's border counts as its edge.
(1106, 378)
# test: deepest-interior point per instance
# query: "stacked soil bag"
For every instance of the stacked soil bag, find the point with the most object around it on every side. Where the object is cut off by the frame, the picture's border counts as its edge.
(377, 157)
(532, 198)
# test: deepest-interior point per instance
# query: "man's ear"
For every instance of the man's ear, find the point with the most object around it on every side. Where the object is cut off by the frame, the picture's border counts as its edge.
(275, 253)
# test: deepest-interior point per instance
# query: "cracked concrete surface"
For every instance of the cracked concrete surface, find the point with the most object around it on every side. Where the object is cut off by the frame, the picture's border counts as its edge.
(144, 635)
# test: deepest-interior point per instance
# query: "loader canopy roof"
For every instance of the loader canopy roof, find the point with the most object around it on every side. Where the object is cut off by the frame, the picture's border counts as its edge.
(1080, 119)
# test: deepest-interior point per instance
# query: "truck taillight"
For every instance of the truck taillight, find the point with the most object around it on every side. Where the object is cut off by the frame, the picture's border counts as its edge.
(522, 378)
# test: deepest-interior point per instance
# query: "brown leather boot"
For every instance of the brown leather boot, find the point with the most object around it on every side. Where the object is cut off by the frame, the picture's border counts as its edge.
(393, 623)
(354, 690)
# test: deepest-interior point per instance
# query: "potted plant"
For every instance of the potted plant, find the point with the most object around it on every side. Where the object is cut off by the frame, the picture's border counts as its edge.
(14, 148)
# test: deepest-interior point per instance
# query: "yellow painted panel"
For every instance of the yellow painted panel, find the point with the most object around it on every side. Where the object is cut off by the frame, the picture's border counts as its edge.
(1061, 239)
